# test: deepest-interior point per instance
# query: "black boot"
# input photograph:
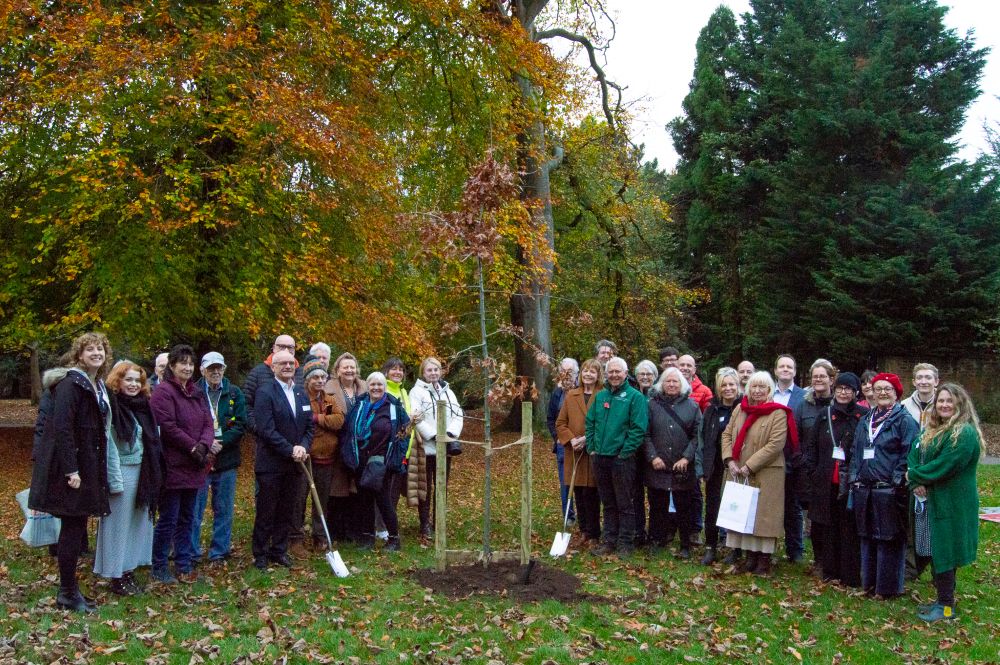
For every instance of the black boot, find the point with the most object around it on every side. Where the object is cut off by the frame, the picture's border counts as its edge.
(709, 557)
(392, 545)
(749, 564)
(72, 599)
(733, 557)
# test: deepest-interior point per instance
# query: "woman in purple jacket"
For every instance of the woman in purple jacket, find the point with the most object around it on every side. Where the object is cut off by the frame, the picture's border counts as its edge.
(188, 439)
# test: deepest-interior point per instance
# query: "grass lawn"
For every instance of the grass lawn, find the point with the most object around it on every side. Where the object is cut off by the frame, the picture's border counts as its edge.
(656, 609)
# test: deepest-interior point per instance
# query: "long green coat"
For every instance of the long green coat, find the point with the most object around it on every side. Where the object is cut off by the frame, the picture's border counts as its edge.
(947, 469)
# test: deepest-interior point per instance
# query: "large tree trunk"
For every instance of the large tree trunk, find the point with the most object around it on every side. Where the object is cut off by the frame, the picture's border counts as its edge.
(529, 309)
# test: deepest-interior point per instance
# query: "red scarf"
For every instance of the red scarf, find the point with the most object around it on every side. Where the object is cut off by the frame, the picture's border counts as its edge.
(755, 412)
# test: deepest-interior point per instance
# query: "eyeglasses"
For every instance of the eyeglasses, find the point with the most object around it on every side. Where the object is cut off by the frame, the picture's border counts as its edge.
(284, 363)
(884, 391)
(844, 389)
(290, 347)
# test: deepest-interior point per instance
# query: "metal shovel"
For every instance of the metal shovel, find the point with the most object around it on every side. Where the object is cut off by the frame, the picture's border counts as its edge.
(561, 542)
(332, 556)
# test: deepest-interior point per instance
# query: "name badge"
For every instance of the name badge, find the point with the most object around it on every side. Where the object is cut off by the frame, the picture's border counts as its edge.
(722, 419)
(838, 453)
(306, 407)
(869, 453)
(218, 432)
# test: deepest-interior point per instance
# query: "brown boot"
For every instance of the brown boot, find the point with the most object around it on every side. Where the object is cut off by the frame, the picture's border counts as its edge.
(297, 550)
(763, 567)
(749, 563)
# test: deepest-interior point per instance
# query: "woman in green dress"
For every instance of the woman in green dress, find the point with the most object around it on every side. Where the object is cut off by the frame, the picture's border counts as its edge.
(942, 473)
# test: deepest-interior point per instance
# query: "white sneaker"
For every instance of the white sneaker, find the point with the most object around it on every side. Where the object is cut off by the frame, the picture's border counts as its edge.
(382, 535)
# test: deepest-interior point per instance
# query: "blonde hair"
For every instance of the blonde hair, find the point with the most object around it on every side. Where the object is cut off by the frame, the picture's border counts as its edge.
(427, 361)
(72, 357)
(831, 371)
(965, 415)
(118, 372)
(919, 367)
(722, 374)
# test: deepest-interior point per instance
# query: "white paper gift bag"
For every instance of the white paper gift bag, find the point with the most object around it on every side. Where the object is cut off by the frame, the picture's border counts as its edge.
(738, 510)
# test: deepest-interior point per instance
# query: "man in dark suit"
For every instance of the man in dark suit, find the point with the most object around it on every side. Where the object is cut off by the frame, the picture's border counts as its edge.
(284, 435)
(790, 395)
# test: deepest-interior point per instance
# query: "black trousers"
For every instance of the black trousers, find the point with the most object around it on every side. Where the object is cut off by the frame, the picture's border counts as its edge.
(588, 511)
(382, 500)
(424, 508)
(713, 498)
(300, 495)
(72, 536)
(275, 512)
(616, 486)
(836, 545)
(640, 500)
(663, 524)
(944, 582)
(342, 518)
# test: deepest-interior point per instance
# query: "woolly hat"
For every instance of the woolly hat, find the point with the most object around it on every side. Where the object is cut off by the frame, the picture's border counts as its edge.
(312, 366)
(892, 380)
(848, 379)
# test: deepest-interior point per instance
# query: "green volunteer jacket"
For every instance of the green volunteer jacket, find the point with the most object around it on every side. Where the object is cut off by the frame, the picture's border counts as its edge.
(947, 468)
(616, 421)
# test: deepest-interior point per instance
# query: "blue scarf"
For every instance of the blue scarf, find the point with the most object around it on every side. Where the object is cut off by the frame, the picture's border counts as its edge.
(364, 417)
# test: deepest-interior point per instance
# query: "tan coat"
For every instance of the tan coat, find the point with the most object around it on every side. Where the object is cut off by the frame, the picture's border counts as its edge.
(571, 423)
(329, 419)
(342, 483)
(763, 453)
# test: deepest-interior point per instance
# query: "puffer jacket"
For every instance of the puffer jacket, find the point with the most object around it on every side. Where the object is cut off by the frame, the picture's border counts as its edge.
(423, 399)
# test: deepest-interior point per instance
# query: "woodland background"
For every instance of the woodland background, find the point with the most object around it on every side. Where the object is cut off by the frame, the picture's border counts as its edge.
(216, 173)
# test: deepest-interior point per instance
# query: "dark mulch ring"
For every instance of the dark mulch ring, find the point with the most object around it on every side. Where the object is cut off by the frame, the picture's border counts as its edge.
(506, 580)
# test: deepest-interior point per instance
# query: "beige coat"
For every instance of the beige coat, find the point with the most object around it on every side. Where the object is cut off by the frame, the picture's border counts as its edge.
(342, 483)
(571, 423)
(763, 453)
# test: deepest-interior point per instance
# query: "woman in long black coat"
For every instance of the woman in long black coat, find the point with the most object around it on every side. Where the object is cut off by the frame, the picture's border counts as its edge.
(70, 476)
(715, 419)
(827, 451)
(672, 466)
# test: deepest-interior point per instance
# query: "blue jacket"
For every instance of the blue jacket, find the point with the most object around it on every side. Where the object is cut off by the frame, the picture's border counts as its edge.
(278, 429)
(555, 403)
(798, 394)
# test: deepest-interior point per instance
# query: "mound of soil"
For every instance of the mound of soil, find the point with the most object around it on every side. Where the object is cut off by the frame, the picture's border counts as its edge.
(505, 579)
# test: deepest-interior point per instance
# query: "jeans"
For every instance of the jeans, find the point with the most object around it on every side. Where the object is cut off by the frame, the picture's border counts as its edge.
(615, 485)
(223, 485)
(793, 520)
(698, 505)
(380, 500)
(563, 487)
(173, 529)
(882, 565)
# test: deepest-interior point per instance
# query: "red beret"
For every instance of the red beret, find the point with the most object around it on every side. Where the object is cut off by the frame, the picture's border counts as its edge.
(892, 380)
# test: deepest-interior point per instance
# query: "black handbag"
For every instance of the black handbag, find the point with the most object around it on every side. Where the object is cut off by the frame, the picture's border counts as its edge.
(454, 448)
(373, 475)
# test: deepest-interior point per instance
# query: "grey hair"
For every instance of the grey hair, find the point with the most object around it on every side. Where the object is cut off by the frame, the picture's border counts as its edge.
(574, 366)
(620, 360)
(657, 388)
(763, 376)
(648, 366)
(605, 342)
(320, 346)
(377, 375)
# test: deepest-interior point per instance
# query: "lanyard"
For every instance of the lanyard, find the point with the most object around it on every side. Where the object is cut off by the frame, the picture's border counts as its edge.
(872, 435)
(213, 408)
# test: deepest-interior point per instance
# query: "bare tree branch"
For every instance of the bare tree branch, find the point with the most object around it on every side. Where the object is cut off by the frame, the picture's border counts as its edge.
(602, 78)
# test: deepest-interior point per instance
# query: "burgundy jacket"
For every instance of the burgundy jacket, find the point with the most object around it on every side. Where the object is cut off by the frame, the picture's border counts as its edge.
(185, 420)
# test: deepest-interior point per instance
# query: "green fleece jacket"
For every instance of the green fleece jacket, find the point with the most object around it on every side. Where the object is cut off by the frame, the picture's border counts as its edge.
(616, 421)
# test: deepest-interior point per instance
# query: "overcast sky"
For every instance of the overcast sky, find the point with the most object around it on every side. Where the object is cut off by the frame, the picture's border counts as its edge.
(653, 54)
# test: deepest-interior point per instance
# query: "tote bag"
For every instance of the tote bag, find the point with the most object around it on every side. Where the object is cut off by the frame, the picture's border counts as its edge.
(40, 528)
(738, 509)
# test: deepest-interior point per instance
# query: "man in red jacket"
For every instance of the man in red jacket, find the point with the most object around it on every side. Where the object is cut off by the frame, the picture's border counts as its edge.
(700, 393)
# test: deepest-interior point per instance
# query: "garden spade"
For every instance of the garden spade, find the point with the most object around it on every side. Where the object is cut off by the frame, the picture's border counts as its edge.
(561, 542)
(332, 556)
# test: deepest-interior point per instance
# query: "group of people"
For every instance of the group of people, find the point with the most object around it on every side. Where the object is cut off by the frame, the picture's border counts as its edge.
(145, 456)
(888, 480)
(882, 475)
